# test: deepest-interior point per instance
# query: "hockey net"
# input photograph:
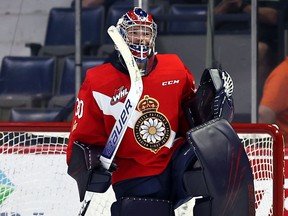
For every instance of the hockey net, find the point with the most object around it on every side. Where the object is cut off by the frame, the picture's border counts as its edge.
(34, 180)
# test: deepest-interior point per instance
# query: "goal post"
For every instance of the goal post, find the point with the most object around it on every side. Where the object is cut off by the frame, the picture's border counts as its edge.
(267, 138)
(34, 179)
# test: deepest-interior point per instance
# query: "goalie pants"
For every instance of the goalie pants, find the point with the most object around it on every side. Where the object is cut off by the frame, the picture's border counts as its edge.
(166, 186)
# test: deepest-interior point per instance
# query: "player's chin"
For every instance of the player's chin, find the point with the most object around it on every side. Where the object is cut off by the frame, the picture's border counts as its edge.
(141, 65)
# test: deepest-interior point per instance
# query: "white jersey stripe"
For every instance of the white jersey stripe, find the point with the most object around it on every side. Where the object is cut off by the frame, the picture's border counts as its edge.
(103, 102)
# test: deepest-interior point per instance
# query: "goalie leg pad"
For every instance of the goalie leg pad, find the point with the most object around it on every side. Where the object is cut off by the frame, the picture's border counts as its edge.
(142, 207)
(183, 159)
(225, 168)
(203, 207)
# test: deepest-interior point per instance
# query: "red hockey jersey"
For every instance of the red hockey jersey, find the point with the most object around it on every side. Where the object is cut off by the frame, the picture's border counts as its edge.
(150, 138)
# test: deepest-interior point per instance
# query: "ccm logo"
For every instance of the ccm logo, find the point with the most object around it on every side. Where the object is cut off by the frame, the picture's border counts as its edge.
(170, 82)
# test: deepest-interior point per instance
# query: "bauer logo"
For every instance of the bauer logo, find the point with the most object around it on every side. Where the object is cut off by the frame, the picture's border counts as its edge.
(117, 131)
(6, 187)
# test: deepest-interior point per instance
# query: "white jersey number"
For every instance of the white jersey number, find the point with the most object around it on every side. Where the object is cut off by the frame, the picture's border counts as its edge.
(79, 108)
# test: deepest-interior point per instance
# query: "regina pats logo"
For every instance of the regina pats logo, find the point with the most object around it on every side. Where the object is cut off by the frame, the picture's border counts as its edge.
(6, 187)
(152, 130)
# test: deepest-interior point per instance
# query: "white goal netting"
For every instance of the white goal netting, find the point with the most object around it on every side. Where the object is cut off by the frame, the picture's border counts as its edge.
(34, 179)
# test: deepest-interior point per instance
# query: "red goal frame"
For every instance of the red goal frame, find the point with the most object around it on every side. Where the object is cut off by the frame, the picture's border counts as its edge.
(278, 161)
(278, 148)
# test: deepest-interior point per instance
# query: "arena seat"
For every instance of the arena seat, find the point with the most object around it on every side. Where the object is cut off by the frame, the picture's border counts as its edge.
(66, 85)
(232, 23)
(25, 82)
(27, 75)
(60, 29)
(65, 96)
(187, 19)
(36, 115)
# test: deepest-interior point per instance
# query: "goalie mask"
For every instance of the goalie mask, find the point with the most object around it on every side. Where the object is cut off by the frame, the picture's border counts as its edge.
(139, 32)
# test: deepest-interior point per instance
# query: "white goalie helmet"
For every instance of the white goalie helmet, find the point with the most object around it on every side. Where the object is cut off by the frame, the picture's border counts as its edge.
(139, 32)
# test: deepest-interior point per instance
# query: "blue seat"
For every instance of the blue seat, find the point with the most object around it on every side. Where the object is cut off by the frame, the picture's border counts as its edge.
(23, 75)
(66, 89)
(115, 11)
(60, 29)
(36, 115)
(61, 26)
(67, 83)
(195, 24)
(232, 23)
(25, 82)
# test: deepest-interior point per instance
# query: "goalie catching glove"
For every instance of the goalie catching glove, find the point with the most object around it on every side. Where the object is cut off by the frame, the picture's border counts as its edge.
(213, 98)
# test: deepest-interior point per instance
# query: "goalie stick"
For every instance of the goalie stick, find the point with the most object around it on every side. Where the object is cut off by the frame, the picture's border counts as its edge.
(130, 103)
(129, 106)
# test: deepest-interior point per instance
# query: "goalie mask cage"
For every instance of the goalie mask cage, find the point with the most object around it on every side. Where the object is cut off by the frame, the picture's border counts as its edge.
(34, 179)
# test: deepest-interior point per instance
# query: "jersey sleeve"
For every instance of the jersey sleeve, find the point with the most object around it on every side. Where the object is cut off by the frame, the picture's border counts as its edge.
(87, 123)
(189, 91)
(190, 87)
